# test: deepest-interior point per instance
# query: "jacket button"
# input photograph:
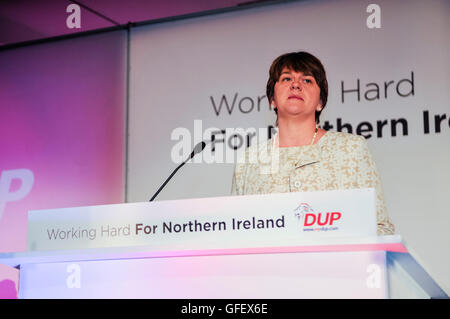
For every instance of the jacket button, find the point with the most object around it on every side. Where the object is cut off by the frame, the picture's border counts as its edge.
(297, 184)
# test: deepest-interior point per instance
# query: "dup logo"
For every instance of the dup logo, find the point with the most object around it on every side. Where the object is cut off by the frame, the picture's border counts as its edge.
(7, 194)
(316, 221)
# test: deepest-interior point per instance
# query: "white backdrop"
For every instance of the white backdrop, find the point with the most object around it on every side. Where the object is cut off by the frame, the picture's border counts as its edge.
(180, 71)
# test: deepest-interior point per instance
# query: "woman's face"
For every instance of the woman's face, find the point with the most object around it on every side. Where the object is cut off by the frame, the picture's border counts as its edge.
(296, 94)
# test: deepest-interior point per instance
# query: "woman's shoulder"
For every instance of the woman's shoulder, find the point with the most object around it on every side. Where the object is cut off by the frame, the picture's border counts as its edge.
(257, 150)
(258, 146)
(341, 144)
(334, 137)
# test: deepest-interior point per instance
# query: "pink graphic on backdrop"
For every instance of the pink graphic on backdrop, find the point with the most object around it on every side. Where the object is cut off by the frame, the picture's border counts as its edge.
(62, 109)
(8, 289)
(9, 282)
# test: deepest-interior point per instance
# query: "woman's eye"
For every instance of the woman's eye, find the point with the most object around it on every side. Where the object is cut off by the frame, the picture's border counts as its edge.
(286, 79)
(307, 80)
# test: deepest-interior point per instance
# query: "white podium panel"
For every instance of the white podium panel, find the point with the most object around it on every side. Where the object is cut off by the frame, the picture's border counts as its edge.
(282, 275)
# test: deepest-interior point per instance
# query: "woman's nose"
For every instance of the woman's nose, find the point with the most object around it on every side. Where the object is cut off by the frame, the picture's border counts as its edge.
(296, 84)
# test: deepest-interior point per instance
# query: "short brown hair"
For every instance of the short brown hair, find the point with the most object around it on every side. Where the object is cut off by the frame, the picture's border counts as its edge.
(303, 62)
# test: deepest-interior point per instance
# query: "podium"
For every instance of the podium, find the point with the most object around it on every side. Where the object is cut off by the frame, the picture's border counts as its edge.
(294, 245)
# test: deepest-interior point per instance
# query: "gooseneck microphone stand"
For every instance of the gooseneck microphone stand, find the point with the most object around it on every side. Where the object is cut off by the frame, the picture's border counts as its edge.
(197, 149)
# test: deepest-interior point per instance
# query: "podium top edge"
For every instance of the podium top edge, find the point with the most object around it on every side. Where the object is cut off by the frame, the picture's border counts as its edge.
(391, 243)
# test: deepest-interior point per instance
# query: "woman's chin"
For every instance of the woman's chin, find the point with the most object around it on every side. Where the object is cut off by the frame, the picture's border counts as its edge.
(294, 113)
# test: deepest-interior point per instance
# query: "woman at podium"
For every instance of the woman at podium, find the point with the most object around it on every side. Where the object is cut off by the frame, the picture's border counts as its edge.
(302, 156)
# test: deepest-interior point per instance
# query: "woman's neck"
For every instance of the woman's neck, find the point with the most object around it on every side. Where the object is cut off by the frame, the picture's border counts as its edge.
(293, 132)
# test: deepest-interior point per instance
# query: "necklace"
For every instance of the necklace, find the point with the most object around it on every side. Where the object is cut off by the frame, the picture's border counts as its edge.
(315, 134)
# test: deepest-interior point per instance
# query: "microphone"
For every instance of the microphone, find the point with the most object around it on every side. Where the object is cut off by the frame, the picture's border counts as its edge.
(197, 149)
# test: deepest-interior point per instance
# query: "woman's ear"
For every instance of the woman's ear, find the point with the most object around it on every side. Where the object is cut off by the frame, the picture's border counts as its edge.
(272, 105)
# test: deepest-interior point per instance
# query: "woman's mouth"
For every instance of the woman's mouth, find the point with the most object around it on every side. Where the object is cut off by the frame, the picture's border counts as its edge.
(295, 97)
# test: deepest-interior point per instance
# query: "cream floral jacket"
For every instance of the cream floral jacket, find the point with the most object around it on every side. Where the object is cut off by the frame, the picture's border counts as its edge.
(337, 161)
